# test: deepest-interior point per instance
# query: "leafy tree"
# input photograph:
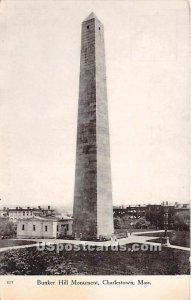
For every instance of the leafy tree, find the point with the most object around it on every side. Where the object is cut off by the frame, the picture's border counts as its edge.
(118, 223)
(7, 228)
(182, 220)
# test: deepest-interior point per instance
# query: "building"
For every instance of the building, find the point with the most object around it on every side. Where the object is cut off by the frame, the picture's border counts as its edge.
(44, 227)
(92, 211)
(160, 216)
(179, 207)
(26, 213)
(132, 211)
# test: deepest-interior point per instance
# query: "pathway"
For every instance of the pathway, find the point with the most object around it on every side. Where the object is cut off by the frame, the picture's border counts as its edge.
(134, 238)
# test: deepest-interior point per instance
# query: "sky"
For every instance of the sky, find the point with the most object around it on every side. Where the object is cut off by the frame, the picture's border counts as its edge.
(147, 55)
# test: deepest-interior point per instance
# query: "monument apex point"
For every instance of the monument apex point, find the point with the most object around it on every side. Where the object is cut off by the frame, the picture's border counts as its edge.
(91, 16)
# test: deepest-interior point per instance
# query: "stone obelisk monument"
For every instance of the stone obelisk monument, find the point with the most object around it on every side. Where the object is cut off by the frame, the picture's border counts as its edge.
(93, 210)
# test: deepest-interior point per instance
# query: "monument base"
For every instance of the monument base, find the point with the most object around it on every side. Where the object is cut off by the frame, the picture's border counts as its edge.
(88, 237)
(165, 241)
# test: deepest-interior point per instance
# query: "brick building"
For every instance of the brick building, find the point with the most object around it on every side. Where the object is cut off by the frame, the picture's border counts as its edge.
(132, 211)
(26, 212)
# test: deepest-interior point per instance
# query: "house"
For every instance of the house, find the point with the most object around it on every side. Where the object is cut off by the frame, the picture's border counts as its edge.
(26, 213)
(44, 227)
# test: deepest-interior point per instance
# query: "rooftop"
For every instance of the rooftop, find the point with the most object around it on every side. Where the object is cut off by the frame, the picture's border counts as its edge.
(26, 208)
(44, 218)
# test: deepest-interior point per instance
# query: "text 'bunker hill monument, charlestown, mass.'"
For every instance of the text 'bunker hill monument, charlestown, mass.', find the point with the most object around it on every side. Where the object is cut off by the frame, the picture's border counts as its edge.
(93, 210)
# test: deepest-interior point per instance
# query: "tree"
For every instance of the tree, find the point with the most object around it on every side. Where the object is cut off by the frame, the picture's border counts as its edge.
(182, 220)
(118, 224)
(7, 229)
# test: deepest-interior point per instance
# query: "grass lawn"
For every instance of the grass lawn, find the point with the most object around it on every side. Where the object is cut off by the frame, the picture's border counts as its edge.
(8, 243)
(122, 230)
(179, 238)
(29, 261)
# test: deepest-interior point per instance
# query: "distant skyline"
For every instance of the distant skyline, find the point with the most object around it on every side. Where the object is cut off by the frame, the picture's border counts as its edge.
(147, 64)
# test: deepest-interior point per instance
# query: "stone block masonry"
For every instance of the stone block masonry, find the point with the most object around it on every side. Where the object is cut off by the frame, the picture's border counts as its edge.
(93, 211)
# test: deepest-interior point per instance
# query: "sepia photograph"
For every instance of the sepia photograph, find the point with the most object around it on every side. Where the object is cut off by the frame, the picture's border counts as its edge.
(95, 140)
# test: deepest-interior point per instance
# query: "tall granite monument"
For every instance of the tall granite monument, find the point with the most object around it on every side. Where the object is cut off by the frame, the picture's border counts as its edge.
(93, 210)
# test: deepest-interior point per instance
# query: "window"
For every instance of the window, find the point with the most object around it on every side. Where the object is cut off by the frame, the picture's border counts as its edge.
(99, 28)
(88, 27)
(23, 213)
(34, 227)
(46, 228)
(23, 227)
(57, 227)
